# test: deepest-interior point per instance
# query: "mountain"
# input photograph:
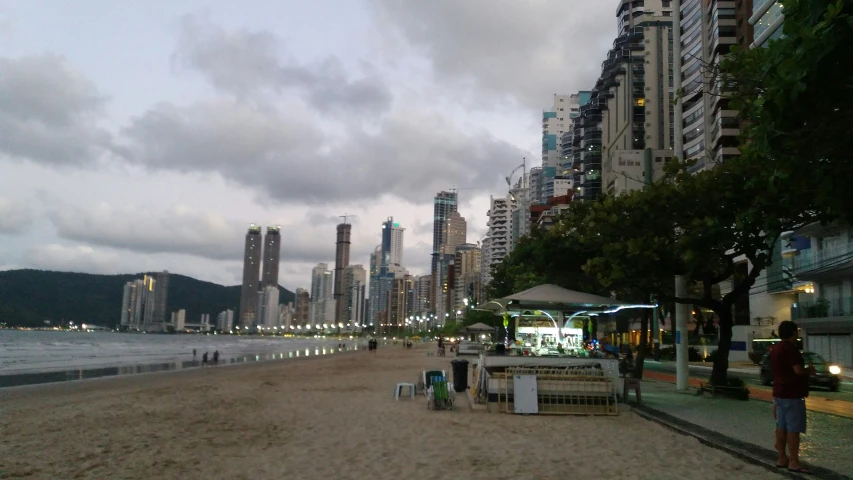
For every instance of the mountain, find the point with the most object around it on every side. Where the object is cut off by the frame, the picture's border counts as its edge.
(29, 297)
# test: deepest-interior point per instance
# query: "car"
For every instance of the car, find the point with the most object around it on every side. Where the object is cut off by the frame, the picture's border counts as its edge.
(826, 375)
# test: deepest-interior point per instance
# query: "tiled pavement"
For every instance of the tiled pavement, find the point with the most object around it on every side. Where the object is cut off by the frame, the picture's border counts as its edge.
(747, 426)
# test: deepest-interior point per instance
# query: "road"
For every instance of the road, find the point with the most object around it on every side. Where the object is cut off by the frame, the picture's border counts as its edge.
(752, 380)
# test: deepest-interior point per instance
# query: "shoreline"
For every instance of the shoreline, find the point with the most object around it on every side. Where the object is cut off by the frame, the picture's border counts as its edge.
(334, 417)
(117, 375)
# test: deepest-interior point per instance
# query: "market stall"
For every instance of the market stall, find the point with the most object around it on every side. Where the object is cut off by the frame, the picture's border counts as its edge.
(549, 343)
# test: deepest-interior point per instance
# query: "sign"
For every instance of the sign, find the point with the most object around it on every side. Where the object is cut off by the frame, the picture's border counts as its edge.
(678, 337)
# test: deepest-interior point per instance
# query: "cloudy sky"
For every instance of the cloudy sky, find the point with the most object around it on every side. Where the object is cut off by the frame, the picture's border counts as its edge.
(138, 136)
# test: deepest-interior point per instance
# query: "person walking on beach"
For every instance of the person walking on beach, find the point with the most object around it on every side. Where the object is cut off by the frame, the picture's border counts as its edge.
(204, 360)
(216, 357)
(790, 389)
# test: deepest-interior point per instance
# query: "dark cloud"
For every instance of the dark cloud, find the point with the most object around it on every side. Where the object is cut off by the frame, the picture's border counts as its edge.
(246, 63)
(411, 154)
(49, 112)
(180, 230)
(524, 49)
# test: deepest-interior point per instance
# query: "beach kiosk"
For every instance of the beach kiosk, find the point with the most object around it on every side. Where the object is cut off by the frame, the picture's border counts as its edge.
(548, 356)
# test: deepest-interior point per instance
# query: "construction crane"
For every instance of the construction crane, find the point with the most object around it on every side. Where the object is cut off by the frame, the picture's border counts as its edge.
(346, 216)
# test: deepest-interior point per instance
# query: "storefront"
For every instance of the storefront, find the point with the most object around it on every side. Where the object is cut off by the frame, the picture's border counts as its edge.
(539, 336)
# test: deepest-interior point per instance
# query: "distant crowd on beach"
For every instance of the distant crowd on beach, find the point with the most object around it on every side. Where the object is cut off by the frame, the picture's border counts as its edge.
(204, 361)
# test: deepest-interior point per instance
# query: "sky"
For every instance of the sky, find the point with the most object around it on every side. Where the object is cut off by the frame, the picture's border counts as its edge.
(138, 136)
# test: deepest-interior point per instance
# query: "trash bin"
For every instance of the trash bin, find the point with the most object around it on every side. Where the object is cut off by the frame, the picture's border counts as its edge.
(460, 375)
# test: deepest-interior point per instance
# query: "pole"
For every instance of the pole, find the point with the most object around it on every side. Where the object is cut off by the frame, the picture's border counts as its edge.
(655, 329)
(682, 311)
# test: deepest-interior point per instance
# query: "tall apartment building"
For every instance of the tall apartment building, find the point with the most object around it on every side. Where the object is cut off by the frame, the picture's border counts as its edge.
(342, 246)
(179, 320)
(453, 235)
(373, 300)
(396, 309)
(499, 235)
(629, 114)
(466, 276)
(225, 320)
(766, 18)
(392, 243)
(485, 262)
(302, 308)
(268, 309)
(455, 229)
(143, 303)
(519, 201)
(251, 276)
(708, 31)
(161, 295)
(556, 123)
(286, 318)
(261, 257)
(272, 254)
(322, 301)
(423, 286)
(355, 285)
(443, 204)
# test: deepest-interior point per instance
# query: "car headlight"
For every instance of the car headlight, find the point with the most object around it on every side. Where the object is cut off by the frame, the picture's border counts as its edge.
(835, 369)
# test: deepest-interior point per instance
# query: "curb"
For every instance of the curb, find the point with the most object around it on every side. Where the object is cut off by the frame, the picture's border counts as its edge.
(747, 452)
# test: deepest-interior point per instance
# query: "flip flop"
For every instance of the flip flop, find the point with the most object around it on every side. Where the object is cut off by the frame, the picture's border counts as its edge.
(799, 470)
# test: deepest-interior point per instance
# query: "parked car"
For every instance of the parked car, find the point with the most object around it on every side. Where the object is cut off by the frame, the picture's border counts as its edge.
(826, 375)
(469, 348)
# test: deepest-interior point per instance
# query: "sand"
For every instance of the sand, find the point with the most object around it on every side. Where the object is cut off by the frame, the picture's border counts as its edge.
(326, 418)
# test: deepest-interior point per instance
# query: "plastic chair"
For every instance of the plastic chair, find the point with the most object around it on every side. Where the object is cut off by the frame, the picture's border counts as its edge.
(398, 390)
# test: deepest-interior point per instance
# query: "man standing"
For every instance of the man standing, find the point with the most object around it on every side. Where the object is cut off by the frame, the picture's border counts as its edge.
(790, 389)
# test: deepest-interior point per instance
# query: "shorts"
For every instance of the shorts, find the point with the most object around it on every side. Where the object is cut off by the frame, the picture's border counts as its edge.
(790, 414)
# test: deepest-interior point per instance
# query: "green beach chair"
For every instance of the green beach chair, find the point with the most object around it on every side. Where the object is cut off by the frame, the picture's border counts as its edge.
(426, 379)
(438, 395)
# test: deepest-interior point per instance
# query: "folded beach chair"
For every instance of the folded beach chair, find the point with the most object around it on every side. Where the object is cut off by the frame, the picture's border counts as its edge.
(438, 396)
(426, 379)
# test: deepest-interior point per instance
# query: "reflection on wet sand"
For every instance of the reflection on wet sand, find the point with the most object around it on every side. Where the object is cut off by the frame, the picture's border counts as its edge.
(84, 373)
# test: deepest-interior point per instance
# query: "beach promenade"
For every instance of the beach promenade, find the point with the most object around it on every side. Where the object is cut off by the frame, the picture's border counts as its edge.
(331, 417)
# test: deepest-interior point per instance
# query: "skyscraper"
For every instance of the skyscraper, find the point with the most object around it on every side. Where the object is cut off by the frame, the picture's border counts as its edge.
(322, 301)
(443, 204)
(392, 244)
(373, 300)
(251, 274)
(272, 254)
(455, 230)
(161, 293)
(342, 245)
(355, 282)
(302, 308)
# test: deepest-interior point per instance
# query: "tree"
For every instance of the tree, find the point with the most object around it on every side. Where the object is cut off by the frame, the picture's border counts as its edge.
(546, 256)
(698, 226)
(795, 99)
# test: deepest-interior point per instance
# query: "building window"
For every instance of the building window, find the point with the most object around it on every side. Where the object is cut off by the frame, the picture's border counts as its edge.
(666, 3)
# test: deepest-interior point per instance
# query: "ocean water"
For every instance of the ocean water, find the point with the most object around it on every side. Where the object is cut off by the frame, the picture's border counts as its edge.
(28, 357)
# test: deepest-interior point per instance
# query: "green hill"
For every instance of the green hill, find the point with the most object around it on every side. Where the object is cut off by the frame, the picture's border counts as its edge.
(29, 297)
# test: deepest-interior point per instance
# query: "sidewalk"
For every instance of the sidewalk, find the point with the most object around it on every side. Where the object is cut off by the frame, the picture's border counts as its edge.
(815, 404)
(747, 428)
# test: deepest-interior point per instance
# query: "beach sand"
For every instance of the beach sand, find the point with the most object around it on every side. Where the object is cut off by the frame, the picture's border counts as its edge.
(327, 418)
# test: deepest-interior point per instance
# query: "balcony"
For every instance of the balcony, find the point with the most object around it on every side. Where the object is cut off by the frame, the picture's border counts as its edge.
(822, 308)
(813, 264)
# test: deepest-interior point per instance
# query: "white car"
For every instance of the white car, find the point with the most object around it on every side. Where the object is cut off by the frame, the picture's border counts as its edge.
(469, 348)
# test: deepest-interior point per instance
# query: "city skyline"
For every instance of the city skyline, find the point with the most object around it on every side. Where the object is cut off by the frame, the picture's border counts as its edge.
(89, 208)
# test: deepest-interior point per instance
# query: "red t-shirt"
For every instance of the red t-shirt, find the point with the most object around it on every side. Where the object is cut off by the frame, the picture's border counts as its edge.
(786, 383)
